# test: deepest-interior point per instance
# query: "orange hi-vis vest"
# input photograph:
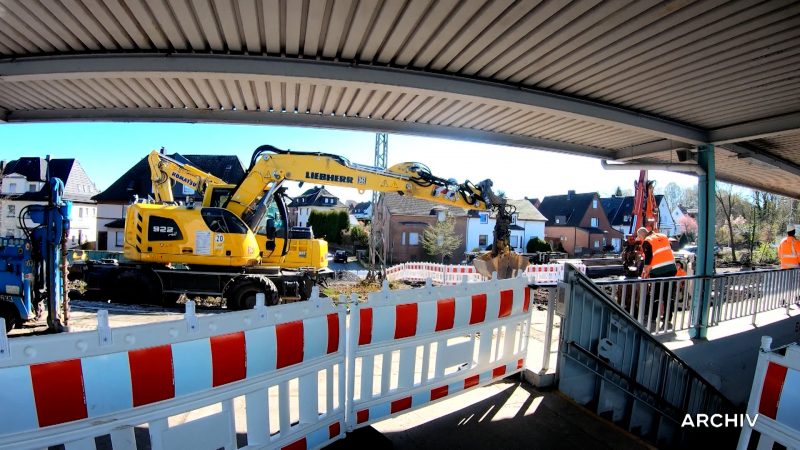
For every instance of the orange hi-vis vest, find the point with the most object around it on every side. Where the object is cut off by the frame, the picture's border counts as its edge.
(789, 253)
(662, 252)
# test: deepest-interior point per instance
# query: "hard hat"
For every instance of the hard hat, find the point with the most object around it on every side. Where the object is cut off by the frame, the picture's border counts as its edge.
(790, 228)
(642, 230)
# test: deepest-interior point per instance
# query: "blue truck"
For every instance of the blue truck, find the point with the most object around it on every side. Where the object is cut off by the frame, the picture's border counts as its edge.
(33, 269)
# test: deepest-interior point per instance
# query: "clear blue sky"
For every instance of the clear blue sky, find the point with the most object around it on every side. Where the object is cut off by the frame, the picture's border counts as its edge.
(107, 150)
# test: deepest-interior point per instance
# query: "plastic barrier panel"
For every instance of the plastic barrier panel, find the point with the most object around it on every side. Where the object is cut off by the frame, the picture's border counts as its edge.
(409, 348)
(542, 274)
(182, 379)
(774, 399)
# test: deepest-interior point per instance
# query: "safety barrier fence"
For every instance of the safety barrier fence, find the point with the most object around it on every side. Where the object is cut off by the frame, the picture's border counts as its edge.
(284, 370)
(181, 379)
(412, 348)
(664, 305)
(773, 406)
(612, 365)
(542, 274)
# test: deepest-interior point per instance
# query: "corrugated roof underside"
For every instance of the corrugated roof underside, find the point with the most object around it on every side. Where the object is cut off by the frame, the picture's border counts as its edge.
(709, 63)
(280, 95)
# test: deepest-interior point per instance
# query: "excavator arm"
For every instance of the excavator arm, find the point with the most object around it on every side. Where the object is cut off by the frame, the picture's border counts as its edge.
(270, 167)
(164, 169)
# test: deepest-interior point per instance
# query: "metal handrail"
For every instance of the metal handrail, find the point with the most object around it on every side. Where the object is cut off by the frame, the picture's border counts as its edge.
(661, 304)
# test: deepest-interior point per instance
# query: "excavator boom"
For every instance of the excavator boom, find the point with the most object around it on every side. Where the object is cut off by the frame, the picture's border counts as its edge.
(270, 166)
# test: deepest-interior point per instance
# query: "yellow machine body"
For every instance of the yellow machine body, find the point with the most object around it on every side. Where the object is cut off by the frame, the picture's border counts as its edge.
(179, 234)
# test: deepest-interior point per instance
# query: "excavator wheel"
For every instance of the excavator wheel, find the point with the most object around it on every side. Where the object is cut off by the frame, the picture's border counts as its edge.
(240, 293)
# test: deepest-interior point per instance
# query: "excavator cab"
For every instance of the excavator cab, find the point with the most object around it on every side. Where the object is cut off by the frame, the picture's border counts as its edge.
(187, 235)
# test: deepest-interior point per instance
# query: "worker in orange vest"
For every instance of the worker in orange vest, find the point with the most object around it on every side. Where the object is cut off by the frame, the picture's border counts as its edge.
(659, 261)
(680, 271)
(789, 250)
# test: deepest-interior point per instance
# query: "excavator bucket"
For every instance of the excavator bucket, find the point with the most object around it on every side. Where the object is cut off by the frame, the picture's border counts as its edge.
(507, 265)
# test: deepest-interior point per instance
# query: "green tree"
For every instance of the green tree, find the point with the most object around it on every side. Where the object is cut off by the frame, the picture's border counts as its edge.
(537, 245)
(440, 240)
(357, 236)
(329, 225)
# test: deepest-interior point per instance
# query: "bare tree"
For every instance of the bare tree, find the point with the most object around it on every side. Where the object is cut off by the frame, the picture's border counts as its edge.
(726, 200)
(440, 240)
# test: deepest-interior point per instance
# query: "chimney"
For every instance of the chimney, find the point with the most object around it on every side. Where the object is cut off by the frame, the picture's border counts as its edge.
(570, 193)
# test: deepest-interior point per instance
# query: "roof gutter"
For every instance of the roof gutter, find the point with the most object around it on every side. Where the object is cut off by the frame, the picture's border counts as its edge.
(685, 168)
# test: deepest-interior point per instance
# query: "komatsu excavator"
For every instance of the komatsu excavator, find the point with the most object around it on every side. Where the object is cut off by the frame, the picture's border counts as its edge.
(235, 244)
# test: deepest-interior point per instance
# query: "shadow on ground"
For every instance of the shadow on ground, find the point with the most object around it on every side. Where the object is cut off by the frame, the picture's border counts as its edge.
(518, 416)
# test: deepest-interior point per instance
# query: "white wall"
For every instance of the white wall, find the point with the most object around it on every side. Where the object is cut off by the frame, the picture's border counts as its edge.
(532, 228)
(17, 184)
(677, 215)
(83, 221)
(107, 212)
(667, 225)
(303, 213)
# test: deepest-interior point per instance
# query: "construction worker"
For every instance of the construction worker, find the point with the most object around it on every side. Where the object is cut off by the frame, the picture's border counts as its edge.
(681, 272)
(659, 261)
(789, 250)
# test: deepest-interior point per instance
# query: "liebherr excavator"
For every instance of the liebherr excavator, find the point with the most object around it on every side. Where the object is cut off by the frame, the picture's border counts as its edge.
(236, 243)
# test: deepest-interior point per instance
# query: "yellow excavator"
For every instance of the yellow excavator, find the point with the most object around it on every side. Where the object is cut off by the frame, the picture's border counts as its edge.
(298, 254)
(235, 244)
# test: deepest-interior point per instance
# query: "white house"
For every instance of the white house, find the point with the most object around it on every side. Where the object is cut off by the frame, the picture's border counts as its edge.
(314, 199)
(619, 210)
(24, 182)
(362, 211)
(677, 216)
(527, 223)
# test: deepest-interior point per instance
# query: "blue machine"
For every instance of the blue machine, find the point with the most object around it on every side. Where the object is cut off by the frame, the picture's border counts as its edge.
(32, 269)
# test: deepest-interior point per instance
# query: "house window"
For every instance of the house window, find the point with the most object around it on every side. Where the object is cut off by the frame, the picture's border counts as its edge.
(594, 203)
(12, 187)
(187, 190)
(80, 212)
(413, 238)
(594, 221)
(484, 217)
(32, 187)
(514, 219)
(118, 238)
(482, 239)
(596, 243)
(12, 210)
(514, 241)
(403, 238)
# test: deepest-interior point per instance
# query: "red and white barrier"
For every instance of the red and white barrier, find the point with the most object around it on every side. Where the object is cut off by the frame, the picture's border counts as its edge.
(410, 348)
(70, 388)
(774, 399)
(291, 368)
(416, 272)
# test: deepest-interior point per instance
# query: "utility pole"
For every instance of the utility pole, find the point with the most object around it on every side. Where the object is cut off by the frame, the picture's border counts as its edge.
(377, 247)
